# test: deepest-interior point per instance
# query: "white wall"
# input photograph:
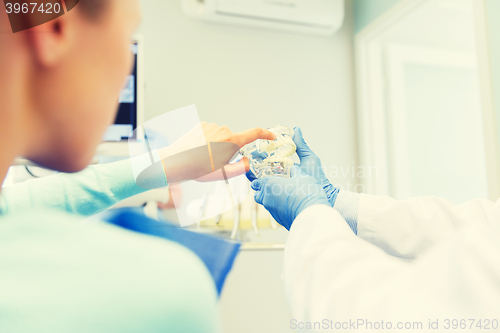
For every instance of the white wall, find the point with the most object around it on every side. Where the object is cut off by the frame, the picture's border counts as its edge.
(244, 78)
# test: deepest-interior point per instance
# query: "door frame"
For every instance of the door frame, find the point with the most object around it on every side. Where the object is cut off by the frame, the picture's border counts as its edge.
(374, 142)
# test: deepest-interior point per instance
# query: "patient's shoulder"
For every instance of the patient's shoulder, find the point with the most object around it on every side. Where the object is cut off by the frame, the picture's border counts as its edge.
(98, 274)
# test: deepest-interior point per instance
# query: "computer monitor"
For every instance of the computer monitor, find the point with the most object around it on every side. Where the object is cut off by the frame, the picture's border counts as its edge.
(129, 112)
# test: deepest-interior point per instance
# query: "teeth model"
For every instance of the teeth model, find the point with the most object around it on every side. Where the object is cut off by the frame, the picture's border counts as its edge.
(271, 158)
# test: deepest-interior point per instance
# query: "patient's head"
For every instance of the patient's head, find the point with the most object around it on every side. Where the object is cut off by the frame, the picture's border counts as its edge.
(60, 81)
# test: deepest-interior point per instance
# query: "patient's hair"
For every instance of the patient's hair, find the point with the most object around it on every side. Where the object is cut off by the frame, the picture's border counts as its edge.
(93, 9)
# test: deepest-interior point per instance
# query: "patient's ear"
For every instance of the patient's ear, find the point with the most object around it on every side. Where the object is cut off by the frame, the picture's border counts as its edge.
(49, 43)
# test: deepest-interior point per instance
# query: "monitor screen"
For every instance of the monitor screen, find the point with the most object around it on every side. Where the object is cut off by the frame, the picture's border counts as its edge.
(126, 118)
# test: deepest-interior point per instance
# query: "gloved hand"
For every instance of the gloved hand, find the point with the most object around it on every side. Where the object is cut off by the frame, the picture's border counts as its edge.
(286, 198)
(250, 176)
(310, 164)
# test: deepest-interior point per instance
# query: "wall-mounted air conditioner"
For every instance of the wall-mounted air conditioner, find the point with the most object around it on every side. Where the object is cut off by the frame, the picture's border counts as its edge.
(319, 17)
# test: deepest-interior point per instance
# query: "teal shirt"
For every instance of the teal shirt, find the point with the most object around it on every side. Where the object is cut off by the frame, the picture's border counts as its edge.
(59, 274)
(85, 193)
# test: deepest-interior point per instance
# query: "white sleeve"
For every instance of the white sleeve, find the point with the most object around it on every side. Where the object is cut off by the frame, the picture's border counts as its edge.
(332, 274)
(411, 227)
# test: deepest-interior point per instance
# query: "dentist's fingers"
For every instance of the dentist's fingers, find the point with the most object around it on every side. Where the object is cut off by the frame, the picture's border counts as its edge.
(258, 184)
(259, 197)
(295, 171)
(250, 176)
(303, 149)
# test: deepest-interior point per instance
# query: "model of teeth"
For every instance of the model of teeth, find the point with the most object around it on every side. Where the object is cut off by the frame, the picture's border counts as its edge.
(271, 158)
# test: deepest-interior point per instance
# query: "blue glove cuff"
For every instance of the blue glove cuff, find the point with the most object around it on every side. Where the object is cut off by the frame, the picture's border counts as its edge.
(331, 193)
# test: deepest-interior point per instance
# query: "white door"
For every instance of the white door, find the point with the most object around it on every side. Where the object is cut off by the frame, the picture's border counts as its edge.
(425, 120)
(436, 124)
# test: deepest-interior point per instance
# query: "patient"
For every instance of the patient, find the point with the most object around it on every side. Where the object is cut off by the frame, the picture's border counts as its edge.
(59, 275)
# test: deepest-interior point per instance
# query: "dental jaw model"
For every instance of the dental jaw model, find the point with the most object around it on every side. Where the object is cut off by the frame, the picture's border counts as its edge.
(271, 158)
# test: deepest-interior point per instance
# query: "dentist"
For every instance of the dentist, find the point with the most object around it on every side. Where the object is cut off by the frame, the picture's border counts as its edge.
(356, 256)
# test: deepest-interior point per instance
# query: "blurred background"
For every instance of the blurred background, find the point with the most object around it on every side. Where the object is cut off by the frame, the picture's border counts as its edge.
(397, 97)
(246, 77)
(400, 100)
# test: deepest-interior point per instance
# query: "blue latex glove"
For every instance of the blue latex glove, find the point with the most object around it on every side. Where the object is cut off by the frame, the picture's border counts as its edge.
(310, 164)
(286, 198)
(250, 176)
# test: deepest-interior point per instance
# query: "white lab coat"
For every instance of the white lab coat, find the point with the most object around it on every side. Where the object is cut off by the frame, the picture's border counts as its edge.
(413, 261)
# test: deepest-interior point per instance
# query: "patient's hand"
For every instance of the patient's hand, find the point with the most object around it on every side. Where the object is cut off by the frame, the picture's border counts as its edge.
(190, 158)
(215, 133)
